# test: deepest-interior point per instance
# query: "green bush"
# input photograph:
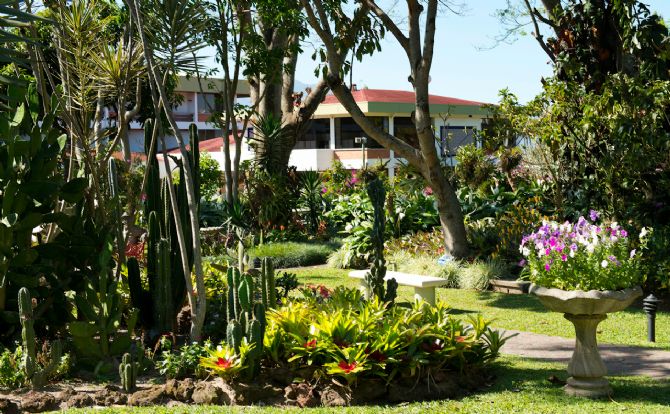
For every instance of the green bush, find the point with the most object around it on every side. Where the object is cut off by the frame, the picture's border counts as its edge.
(291, 254)
(478, 275)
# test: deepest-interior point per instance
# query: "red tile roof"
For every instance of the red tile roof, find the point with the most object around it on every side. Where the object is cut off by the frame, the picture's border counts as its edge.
(209, 145)
(387, 95)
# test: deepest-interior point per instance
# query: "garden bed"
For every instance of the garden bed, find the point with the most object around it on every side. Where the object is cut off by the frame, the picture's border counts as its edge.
(276, 387)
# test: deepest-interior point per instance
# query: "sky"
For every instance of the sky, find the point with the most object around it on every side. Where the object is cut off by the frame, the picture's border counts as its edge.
(464, 64)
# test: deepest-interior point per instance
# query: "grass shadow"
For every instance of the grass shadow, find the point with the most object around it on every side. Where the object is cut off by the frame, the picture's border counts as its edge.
(533, 378)
(507, 301)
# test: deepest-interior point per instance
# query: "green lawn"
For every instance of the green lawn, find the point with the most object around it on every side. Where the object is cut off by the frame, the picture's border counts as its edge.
(522, 387)
(522, 312)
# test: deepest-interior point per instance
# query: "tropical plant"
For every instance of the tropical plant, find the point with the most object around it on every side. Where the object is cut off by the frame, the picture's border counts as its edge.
(343, 336)
(42, 215)
(311, 199)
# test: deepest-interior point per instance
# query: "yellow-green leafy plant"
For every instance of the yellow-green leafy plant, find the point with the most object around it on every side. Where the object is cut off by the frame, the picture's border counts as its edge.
(225, 362)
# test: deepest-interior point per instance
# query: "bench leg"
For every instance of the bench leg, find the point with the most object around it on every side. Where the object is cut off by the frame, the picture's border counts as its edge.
(427, 294)
(363, 287)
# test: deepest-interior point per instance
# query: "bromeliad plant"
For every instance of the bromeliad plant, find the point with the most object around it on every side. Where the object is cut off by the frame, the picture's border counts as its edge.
(583, 255)
(345, 336)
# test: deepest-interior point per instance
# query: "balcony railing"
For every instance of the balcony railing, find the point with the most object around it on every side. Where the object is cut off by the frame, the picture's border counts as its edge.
(184, 117)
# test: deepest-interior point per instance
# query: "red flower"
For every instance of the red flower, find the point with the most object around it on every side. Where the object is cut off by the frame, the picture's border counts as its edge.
(323, 291)
(377, 356)
(347, 367)
(310, 344)
(431, 347)
(460, 339)
(223, 363)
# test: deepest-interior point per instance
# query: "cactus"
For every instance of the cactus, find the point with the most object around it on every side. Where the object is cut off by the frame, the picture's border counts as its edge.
(234, 335)
(128, 370)
(36, 376)
(163, 306)
(255, 338)
(160, 309)
(246, 319)
(375, 277)
(269, 287)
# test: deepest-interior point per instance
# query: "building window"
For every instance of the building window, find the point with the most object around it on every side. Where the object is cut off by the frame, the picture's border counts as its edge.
(317, 135)
(207, 101)
(404, 128)
(205, 134)
(452, 137)
(346, 129)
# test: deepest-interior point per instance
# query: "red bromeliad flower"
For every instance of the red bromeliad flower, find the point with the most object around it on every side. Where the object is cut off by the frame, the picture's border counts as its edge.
(432, 346)
(324, 292)
(223, 363)
(310, 344)
(347, 367)
(377, 356)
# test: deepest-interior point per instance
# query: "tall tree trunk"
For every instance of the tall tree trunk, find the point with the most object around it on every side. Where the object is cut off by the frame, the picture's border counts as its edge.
(419, 54)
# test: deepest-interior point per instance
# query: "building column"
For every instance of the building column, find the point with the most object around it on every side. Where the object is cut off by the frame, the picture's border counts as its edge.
(332, 132)
(195, 106)
(391, 164)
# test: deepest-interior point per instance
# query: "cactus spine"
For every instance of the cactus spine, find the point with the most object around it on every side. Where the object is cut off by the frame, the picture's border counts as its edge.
(128, 370)
(36, 376)
(375, 277)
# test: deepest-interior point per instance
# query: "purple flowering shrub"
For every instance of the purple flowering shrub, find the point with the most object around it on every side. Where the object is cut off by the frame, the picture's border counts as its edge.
(583, 256)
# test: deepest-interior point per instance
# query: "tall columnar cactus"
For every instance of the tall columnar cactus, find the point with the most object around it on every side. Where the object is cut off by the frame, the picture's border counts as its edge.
(128, 370)
(246, 317)
(268, 287)
(36, 376)
(159, 313)
(375, 277)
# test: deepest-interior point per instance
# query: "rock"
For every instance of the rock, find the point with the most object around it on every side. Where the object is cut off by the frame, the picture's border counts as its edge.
(301, 394)
(332, 396)
(247, 394)
(77, 400)
(173, 403)
(180, 390)
(37, 402)
(171, 387)
(150, 396)
(211, 393)
(110, 395)
(368, 390)
(8, 407)
(282, 376)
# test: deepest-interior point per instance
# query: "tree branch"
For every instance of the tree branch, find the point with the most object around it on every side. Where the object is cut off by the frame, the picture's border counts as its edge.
(390, 25)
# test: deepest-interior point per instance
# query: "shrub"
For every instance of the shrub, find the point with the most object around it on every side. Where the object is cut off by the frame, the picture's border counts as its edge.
(293, 254)
(343, 336)
(11, 374)
(183, 363)
(478, 275)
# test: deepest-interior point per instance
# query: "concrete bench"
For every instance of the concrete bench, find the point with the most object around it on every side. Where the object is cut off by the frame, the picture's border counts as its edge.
(424, 286)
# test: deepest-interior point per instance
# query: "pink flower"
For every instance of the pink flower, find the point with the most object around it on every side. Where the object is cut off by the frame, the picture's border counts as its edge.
(564, 257)
(547, 267)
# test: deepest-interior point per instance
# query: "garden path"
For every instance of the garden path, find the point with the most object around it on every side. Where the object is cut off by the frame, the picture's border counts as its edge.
(619, 359)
